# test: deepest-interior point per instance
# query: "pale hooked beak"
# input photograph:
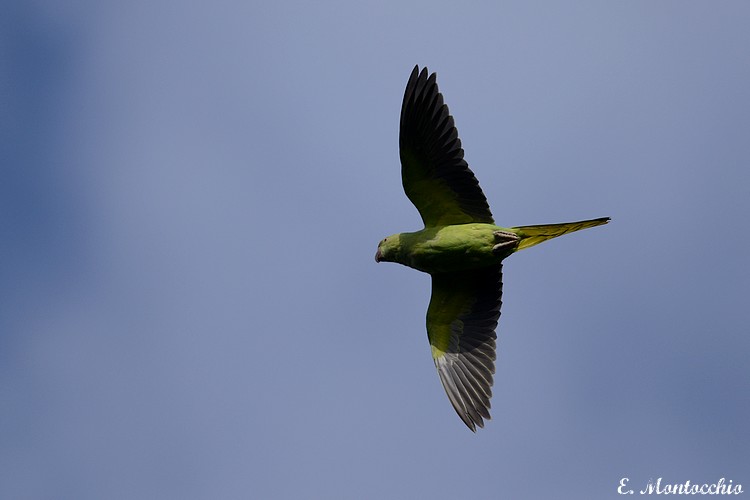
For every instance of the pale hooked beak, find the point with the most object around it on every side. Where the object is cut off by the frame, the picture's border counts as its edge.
(378, 256)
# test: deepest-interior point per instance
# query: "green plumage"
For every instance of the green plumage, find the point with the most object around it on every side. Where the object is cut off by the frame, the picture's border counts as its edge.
(460, 247)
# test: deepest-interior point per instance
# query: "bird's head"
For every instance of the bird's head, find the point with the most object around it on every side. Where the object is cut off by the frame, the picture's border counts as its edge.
(388, 249)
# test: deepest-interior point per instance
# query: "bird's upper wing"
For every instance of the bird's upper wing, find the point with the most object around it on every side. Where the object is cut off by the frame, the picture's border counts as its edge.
(461, 322)
(435, 175)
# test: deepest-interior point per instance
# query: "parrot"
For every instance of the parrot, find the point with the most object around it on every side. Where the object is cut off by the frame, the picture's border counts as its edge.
(460, 247)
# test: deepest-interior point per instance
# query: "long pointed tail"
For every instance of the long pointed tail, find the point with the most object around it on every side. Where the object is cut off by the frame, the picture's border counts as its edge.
(533, 235)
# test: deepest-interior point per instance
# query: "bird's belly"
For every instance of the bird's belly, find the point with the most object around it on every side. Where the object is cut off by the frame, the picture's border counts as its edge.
(456, 248)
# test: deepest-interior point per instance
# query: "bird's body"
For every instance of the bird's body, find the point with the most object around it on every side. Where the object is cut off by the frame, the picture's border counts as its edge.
(445, 248)
(460, 247)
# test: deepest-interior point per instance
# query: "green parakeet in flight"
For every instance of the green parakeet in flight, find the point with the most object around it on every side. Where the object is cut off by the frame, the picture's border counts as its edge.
(460, 247)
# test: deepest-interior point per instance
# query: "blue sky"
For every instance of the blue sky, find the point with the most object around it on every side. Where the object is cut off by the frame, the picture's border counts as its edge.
(191, 197)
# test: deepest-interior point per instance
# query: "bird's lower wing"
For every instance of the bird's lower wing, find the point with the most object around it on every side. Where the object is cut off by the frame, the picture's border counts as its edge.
(461, 322)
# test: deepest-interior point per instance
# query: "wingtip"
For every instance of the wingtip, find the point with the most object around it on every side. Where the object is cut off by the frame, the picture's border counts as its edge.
(471, 423)
(418, 72)
(472, 411)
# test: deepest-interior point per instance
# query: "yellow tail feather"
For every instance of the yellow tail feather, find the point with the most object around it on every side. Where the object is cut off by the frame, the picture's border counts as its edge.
(533, 235)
